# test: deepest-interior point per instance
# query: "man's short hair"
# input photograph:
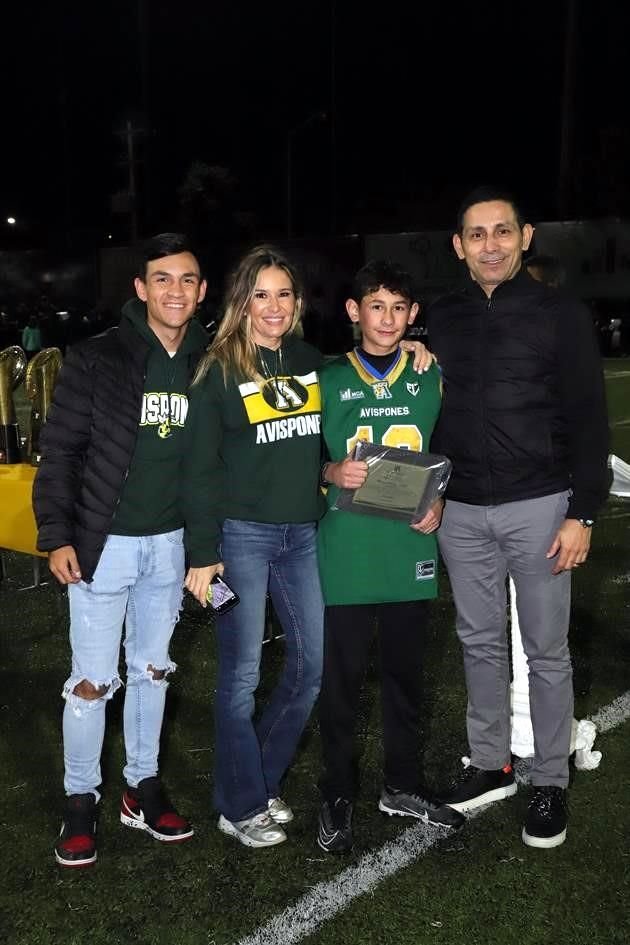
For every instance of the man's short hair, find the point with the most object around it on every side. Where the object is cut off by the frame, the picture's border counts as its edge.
(382, 272)
(485, 194)
(161, 245)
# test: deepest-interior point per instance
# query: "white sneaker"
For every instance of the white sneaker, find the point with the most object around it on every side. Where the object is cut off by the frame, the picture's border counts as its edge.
(279, 811)
(257, 831)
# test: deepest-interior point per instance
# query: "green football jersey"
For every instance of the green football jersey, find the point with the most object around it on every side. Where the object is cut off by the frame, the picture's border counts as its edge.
(364, 559)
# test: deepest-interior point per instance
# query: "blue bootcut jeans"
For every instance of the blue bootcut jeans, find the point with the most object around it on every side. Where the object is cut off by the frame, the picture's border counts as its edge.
(251, 759)
(138, 582)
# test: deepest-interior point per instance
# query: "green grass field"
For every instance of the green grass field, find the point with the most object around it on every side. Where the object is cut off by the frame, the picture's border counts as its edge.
(480, 887)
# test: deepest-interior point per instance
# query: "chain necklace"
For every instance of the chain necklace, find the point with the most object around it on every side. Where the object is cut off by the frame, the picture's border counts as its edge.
(272, 379)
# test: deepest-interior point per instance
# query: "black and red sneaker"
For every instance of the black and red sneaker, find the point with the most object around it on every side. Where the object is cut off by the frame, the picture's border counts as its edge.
(147, 807)
(76, 845)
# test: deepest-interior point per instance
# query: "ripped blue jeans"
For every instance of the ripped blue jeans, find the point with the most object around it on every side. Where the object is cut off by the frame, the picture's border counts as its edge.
(139, 583)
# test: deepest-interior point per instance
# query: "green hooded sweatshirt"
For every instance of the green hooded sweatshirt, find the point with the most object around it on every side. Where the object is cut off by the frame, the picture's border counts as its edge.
(253, 449)
(150, 500)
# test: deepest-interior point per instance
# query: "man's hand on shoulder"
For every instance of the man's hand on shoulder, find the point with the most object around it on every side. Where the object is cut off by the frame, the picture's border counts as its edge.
(422, 357)
(570, 546)
(64, 565)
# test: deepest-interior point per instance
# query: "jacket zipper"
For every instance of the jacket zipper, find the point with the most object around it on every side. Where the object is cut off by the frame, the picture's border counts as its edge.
(482, 399)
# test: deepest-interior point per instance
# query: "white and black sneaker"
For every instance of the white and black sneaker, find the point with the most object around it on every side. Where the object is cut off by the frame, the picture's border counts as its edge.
(546, 819)
(430, 811)
(476, 786)
(334, 834)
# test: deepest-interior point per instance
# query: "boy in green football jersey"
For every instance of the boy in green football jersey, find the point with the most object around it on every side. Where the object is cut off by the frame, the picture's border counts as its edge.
(375, 571)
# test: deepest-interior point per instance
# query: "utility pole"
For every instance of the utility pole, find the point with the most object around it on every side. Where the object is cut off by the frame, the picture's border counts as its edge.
(567, 110)
(333, 118)
(132, 189)
(144, 41)
(130, 202)
(291, 133)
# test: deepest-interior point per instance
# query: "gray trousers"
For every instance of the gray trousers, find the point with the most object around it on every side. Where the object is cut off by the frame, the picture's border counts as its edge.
(480, 545)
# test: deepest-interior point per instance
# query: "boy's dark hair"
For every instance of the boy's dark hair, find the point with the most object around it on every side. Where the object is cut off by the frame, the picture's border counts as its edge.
(485, 194)
(161, 245)
(382, 272)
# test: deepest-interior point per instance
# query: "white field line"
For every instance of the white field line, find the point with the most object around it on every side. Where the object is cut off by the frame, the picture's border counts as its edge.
(328, 898)
(612, 715)
(613, 375)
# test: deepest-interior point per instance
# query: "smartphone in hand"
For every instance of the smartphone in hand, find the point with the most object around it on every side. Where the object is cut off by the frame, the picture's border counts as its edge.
(220, 595)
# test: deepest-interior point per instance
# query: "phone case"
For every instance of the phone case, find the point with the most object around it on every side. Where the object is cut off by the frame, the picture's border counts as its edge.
(220, 596)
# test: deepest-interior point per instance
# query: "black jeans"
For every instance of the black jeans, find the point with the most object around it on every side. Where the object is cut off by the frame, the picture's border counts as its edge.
(348, 634)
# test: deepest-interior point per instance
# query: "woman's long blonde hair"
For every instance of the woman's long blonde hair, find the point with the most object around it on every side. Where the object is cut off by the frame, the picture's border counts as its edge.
(233, 346)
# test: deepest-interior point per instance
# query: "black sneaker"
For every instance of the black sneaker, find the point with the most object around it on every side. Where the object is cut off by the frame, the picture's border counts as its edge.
(334, 834)
(477, 787)
(147, 807)
(415, 805)
(546, 820)
(76, 845)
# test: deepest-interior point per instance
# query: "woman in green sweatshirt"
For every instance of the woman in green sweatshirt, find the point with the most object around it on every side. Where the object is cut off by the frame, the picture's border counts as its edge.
(252, 502)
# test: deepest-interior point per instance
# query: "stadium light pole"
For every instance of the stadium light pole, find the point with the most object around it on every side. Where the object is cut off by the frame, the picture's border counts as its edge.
(291, 133)
(563, 198)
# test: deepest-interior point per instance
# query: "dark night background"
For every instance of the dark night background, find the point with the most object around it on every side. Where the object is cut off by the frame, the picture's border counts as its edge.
(390, 116)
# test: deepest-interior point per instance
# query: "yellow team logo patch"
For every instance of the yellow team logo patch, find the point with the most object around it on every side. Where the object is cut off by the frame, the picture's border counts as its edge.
(280, 396)
(381, 390)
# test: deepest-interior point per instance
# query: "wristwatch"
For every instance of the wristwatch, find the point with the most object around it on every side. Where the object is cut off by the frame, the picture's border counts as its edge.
(586, 522)
(322, 475)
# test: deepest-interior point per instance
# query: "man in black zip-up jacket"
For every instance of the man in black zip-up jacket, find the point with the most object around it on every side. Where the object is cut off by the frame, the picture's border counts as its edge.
(107, 504)
(524, 422)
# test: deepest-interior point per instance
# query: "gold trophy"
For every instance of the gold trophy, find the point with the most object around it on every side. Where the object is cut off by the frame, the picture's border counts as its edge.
(41, 375)
(12, 368)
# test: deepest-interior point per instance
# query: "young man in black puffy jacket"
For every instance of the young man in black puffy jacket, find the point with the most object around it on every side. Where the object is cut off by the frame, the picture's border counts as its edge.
(108, 512)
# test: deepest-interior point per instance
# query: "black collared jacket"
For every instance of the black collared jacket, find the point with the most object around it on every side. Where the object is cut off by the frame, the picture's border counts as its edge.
(524, 408)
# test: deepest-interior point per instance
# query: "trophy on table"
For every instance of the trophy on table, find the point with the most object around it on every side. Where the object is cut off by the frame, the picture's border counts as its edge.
(12, 368)
(41, 375)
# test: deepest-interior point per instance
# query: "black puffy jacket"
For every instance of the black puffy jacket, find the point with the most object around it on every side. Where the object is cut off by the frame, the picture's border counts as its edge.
(524, 409)
(89, 438)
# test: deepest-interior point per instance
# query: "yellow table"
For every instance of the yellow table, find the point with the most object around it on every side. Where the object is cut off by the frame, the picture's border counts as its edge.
(18, 531)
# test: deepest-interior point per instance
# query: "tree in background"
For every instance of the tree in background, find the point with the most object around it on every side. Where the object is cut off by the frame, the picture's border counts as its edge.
(209, 212)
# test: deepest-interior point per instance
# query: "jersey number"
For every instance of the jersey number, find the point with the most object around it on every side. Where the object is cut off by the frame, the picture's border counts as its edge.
(405, 436)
